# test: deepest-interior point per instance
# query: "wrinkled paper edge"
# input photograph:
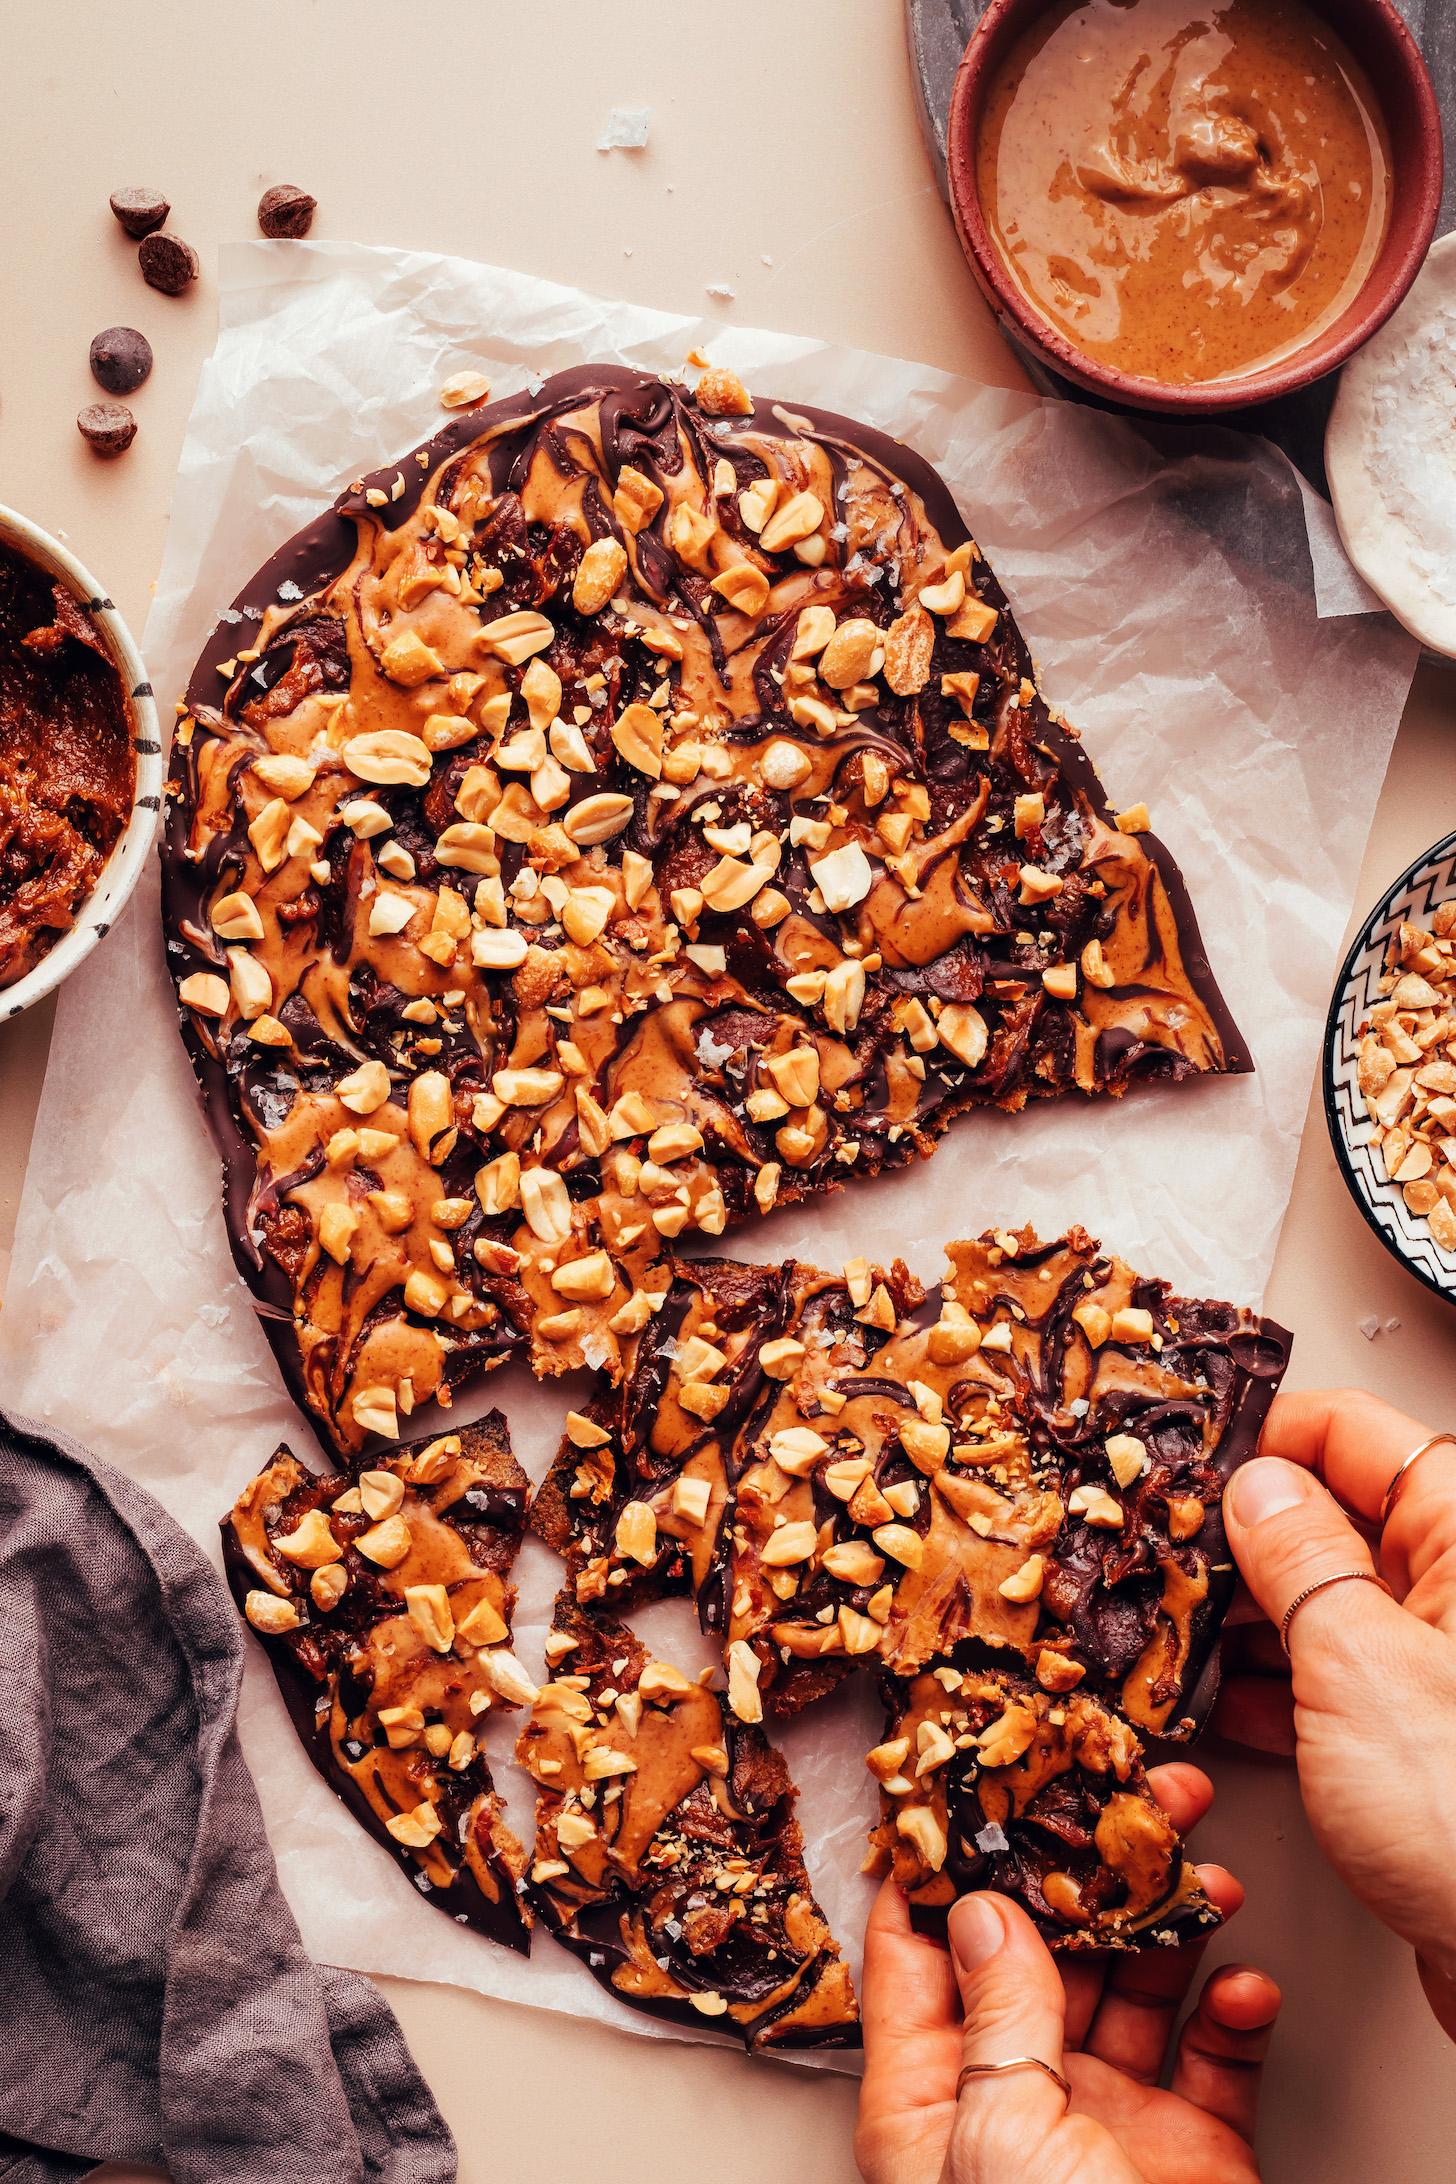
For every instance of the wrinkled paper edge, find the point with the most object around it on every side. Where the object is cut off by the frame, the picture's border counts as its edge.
(327, 363)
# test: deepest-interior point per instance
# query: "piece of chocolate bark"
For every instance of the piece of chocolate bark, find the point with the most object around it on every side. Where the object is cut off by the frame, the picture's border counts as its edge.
(384, 1603)
(667, 1854)
(634, 811)
(636, 1496)
(1034, 1458)
(987, 1781)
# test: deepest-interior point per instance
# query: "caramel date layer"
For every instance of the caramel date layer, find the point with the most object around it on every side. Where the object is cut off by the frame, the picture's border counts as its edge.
(988, 1782)
(632, 812)
(667, 1854)
(383, 1600)
(841, 1471)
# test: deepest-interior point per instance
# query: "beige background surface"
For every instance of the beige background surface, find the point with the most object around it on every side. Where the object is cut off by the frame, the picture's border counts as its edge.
(783, 134)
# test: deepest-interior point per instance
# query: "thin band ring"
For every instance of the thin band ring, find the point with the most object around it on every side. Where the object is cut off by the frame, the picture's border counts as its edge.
(1393, 1491)
(1013, 2062)
(1336, 1577)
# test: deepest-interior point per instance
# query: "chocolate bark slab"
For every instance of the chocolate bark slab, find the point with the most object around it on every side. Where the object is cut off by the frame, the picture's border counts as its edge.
(383, 1600)
(1034, 1457)
(632, 811)
(987, 1781)
(667, 1854)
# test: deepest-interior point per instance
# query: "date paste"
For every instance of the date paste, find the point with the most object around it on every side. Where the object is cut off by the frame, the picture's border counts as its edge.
(67, 767)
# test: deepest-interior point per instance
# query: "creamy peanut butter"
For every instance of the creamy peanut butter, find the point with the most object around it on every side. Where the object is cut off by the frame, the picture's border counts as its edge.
(1185, 193)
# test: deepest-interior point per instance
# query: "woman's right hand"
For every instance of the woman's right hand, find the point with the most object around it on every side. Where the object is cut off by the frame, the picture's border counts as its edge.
(1374, 1677)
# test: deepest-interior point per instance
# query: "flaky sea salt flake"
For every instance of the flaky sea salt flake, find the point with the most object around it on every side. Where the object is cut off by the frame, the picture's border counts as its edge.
(625, 129)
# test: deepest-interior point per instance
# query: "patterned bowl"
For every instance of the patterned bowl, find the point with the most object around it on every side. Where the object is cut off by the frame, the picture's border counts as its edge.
(1431, 880)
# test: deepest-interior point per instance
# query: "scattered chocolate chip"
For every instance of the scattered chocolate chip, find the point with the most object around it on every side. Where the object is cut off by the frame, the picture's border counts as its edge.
(167, 263)
(108, 427)
(120, 359)
(286, 210)
(139, 211)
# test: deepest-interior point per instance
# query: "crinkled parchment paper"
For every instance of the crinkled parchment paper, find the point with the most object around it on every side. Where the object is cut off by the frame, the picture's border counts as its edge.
(1173, 613)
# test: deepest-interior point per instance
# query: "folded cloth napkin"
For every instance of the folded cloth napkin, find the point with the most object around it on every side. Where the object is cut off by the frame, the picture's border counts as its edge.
(156, 2004)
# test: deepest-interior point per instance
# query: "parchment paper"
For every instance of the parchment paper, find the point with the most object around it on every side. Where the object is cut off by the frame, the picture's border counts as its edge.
(1173, 613)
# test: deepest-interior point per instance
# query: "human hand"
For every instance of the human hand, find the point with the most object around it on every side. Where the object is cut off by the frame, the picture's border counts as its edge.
(1105, 2023)
(1373, 1704)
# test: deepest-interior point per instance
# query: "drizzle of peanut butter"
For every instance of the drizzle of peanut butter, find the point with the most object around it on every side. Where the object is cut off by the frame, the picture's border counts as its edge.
(1136, 1844)
(1184, 193)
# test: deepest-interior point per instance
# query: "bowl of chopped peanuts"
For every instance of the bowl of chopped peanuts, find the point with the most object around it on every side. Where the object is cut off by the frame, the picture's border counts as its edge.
(1390, 1069)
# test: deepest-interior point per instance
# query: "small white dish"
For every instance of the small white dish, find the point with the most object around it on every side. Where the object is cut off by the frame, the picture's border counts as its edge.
(1390, 456)
(1430, 881)
(99, 911)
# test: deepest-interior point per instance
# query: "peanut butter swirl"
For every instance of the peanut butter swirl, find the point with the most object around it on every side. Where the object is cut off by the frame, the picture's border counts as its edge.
(988, 1782)
(382, 1597)
(667, 1855)
(843, 1473)
(632, 812)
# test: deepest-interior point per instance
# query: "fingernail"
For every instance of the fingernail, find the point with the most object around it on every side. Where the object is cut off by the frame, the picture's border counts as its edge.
(976, 1932)
(1266, 1486)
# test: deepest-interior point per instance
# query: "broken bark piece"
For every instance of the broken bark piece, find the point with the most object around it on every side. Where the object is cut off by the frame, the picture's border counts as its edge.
(637, 1493)
(987, 1781)
(638, 811)
(1033, 1457)
(667, 1854)
(383, 1600)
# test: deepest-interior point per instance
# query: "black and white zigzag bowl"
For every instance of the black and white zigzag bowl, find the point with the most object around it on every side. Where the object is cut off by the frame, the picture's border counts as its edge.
(1430, 881)
(123, 868)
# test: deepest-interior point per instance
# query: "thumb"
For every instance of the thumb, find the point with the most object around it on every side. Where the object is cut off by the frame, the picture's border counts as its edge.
(1014, 2005)
(1289, 1535)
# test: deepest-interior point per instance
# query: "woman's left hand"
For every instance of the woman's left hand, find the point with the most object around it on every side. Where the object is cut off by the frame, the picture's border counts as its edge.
(1105, 2023)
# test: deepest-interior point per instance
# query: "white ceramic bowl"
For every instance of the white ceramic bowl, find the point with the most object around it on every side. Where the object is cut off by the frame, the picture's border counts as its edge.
(98, 913)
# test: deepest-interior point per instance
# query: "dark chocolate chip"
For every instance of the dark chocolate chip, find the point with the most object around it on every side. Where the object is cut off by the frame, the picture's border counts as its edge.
(286, 210)
(108, 427)
(139, 211)
(167, 263)
(120, 359)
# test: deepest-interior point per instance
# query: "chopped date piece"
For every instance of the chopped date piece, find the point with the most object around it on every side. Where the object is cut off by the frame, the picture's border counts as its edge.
(667, 1854)
(384, 1601)
(842, 1473)
(987, 1781)
(682, 833)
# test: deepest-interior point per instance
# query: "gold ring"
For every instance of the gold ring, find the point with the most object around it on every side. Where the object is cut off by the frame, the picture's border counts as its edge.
(1392, 1492)
(1013, 2062)
(1336, 1577)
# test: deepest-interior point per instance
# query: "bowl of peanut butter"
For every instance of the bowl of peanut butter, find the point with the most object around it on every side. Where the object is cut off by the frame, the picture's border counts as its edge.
(80, 763)
(1192, 207)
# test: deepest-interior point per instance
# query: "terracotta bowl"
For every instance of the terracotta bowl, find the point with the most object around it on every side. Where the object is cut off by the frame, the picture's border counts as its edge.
(1380, 41)
(123, 868)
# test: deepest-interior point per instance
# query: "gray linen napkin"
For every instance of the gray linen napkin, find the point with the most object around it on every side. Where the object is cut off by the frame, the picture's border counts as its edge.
(156, 2004)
